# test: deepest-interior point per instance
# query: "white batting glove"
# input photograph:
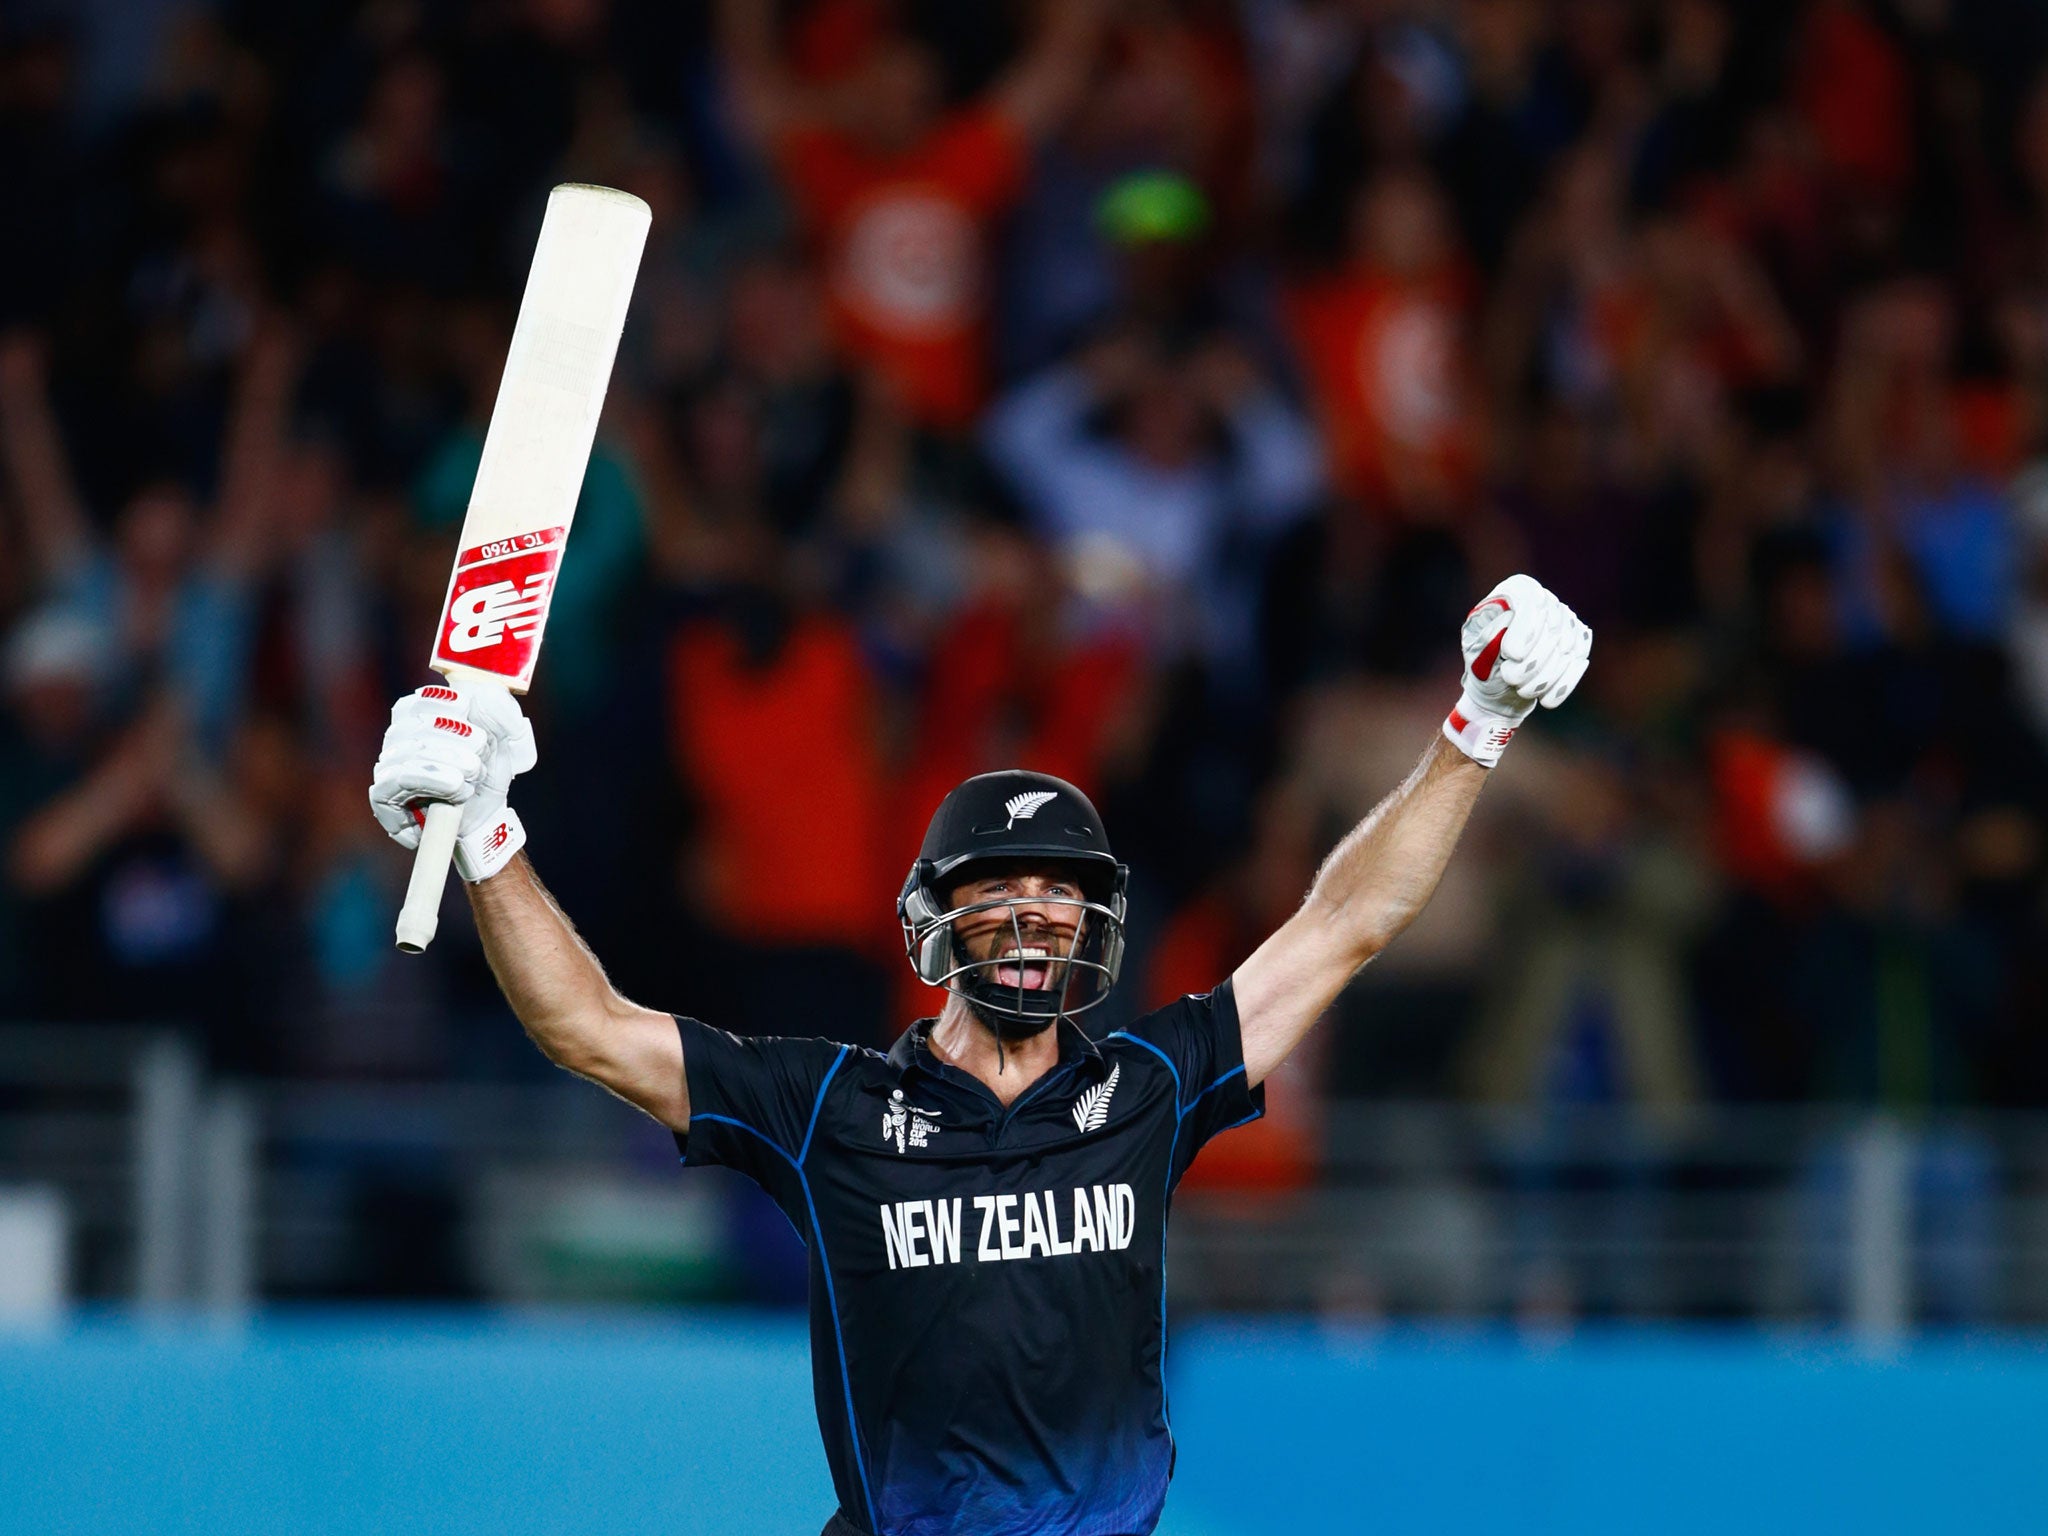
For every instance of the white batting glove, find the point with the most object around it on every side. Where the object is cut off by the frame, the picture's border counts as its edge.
(463, 745)
(1522, 648)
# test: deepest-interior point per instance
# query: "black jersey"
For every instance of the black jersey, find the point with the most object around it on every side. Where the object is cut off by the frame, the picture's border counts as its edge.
(988, 1285)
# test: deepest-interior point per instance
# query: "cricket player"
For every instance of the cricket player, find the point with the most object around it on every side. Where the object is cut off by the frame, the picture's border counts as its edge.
(985, 1205)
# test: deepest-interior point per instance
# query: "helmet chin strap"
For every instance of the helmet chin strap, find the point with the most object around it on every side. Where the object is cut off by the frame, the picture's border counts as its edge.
(1007, 1030)
(1003, 1027)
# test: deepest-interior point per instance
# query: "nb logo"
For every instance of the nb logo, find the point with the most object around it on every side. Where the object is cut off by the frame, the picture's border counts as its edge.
(482, 616)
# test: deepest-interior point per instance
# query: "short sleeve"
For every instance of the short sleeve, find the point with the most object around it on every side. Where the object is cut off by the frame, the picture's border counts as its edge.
(1199, 1034)
(753, 1100)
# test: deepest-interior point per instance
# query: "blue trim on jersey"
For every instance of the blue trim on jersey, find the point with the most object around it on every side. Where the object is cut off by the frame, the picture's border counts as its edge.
(1165, 1199)
(831, 1298)
(1180, 1114)
(839, 1339)
(1182, 1111)
(780, 1149)
(1226, 1077)
(825, 1264)
(1170, 1067)
(819, 1103)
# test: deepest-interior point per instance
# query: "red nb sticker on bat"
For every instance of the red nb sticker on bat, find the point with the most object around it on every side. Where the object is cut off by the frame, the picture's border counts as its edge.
(497, 603)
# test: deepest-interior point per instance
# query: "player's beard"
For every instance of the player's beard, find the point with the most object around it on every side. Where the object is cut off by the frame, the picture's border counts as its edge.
(1006, 1026)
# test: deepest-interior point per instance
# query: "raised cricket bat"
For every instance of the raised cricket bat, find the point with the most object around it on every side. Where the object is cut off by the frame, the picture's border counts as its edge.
(535, 452)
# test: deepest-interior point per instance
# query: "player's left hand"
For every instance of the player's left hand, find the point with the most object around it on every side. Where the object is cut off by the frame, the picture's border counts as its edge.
(1522, 648)
(461, 745)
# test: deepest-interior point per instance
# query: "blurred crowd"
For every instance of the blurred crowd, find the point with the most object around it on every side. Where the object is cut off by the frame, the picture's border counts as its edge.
(1138, 390)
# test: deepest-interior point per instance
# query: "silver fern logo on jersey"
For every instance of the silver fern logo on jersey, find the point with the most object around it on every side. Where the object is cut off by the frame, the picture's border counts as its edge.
(1091, 1110)
(1027, 805)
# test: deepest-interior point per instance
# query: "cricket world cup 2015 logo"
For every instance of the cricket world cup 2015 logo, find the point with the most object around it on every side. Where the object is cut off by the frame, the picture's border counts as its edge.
(907, 1125)
(497, 603)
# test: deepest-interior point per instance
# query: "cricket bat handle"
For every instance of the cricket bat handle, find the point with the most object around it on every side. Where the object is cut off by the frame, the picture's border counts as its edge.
(421, 914)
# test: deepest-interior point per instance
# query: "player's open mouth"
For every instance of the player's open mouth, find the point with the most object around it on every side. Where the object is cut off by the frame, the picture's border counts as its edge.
(1029, 968)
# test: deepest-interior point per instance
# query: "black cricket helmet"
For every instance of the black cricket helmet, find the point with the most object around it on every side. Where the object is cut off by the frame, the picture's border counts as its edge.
(1013, 816)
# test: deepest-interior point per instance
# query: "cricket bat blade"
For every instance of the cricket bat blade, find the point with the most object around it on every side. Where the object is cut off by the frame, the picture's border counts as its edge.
(529, 476)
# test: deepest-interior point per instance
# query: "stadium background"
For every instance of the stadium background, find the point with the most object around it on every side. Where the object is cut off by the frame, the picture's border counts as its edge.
(1138, 390)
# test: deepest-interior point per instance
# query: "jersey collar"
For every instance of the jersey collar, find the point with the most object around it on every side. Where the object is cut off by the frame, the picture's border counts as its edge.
(912, 1050)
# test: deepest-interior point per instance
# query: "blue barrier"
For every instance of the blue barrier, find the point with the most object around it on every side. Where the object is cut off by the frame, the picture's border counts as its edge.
(347, 1424)
(412, 1426)
(1295, 1429)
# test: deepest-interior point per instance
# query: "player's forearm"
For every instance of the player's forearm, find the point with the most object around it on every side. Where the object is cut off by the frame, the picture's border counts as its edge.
(1384, 871)
(554, 983)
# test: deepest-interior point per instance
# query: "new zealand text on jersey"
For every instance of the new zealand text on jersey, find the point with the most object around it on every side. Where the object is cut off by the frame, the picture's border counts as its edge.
(918, 1233)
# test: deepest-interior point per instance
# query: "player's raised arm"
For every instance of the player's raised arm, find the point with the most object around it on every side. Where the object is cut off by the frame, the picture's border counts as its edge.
(1522, 648)
(464, 746)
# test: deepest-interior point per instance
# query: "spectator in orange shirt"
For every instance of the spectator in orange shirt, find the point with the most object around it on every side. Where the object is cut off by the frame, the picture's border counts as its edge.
(787, 688)
(899, 192)
(1383, 345)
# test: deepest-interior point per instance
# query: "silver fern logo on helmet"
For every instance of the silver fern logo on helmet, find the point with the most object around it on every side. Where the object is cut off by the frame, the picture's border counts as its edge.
(1027, 805)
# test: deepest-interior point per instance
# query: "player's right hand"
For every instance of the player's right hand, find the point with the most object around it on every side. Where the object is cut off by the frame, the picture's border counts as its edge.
(460, 745)
(1523, 648)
